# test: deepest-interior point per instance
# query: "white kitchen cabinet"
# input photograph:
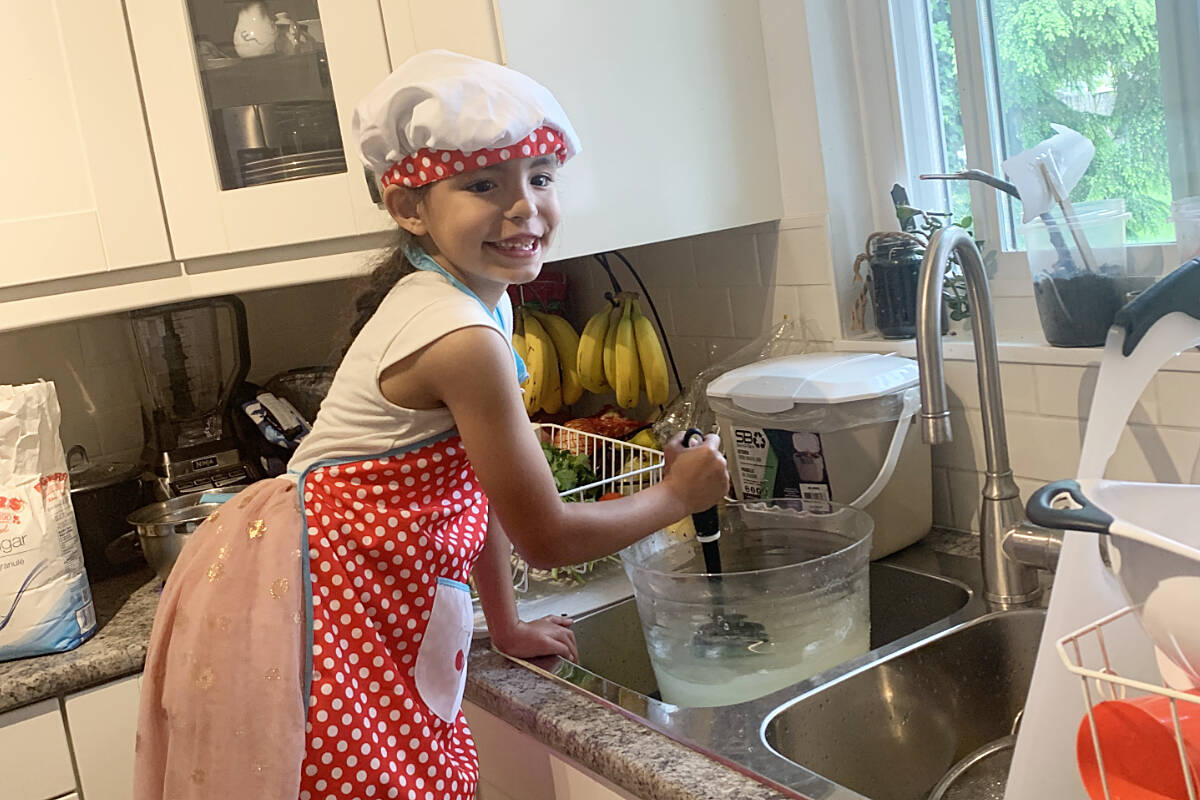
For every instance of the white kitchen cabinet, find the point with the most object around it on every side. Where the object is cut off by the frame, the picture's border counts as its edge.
(515, 766)
(103, 725)
(79, 187)
(670, 99)
(35, 763)
(223, 126)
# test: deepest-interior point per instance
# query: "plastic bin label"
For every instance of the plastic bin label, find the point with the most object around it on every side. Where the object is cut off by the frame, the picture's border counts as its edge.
(780, 463)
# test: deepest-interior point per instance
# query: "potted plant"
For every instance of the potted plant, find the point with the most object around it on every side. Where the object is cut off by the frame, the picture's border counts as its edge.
(894, 260)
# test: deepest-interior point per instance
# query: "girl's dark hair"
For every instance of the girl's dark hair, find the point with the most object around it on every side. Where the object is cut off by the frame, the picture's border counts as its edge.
(375, 286)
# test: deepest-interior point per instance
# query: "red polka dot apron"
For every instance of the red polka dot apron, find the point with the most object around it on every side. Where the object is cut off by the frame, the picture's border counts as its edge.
(391, 541)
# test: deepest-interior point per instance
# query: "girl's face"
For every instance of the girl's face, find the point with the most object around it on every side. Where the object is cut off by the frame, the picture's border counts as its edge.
(490, 227)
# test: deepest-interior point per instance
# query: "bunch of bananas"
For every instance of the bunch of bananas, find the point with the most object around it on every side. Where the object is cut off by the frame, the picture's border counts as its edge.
(619, 349)
(548, 344)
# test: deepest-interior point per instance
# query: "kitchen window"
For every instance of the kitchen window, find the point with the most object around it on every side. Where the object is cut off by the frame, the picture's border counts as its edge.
(980, 80)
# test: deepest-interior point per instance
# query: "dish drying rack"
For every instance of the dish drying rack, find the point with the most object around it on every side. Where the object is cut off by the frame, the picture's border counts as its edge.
(1086, 653)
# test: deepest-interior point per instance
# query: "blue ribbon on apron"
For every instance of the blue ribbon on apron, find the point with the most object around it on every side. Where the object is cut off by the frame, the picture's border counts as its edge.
(421, 260)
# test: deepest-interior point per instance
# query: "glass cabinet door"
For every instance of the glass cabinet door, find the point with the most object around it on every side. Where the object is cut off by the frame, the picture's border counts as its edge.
(267, 91)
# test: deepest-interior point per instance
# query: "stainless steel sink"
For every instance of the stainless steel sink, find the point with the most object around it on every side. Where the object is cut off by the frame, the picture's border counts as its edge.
(943, 676)
(903, 601)
(892, 730)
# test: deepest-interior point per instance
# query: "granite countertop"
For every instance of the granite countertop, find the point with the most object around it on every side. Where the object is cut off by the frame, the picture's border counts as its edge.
(624, 751)
(124, 614)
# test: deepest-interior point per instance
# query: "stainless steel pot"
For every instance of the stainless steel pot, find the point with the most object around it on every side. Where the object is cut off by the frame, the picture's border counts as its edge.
(164, 528)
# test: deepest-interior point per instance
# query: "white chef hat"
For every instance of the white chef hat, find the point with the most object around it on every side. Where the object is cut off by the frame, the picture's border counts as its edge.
(442, 113)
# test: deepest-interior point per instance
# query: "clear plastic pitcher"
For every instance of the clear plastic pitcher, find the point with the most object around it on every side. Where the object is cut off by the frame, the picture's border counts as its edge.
(791, 601)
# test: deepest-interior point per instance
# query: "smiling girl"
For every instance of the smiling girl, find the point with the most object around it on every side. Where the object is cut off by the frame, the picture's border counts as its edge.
(312, 639)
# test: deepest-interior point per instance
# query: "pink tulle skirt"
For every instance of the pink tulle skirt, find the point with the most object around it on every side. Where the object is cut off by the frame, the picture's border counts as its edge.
(222, 709)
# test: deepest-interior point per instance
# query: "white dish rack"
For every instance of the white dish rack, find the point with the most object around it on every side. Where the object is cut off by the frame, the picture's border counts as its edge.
(621, 467)
(1088, 653)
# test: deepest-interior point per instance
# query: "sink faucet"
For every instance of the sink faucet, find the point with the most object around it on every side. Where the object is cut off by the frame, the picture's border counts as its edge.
(1011, 548)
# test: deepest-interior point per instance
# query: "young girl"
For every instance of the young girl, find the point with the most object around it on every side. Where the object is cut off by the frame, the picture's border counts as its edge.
(312, 639)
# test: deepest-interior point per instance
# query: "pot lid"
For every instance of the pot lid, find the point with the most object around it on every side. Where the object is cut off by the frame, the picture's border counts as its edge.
(777, 384)
(86, 474)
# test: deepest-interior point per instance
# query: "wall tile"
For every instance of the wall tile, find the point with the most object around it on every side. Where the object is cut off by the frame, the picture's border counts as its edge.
(943, 511)
(797, 256)
(702, 312)
(120, 429)
(818, 306)
(1067, 391)
(1019, 387)
(1178, 398)
(1158, 455)
(751, 306)
(962, 385)
(112, 385)
(662, 264)
(726, 258)
(1016, 384)
(691, 356)
(106, 340)
(785, 302)
(966, 450)
(966, 490)
(722, 348)
(1045, 448)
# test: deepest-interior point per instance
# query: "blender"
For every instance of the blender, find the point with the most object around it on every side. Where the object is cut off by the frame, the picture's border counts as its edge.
(193, 355)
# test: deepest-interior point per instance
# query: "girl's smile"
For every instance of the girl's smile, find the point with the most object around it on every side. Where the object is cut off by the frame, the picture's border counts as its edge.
(490, 227)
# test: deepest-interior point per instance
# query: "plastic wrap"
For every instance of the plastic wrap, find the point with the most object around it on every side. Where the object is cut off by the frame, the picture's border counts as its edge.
(691, 409)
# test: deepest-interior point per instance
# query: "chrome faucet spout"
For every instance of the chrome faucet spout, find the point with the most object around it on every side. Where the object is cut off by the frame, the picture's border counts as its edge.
(1007, 582)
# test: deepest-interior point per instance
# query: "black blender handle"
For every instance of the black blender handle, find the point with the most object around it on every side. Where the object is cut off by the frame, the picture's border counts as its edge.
(1083, 516)
(1179, 291)
(707, 522)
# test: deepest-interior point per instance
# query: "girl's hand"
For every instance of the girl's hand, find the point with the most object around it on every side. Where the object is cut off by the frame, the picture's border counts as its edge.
(698, 474)
(548, 636)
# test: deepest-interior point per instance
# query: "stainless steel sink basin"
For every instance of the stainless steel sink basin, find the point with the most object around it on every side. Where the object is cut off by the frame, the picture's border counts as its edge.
(892, 730)
(903, 601)
(943, 677)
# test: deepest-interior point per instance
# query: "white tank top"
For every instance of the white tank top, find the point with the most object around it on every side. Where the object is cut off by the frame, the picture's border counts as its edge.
(355, 419)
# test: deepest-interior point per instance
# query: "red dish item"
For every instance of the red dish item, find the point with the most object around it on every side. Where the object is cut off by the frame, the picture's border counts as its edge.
(548, 290)
(1137, 741)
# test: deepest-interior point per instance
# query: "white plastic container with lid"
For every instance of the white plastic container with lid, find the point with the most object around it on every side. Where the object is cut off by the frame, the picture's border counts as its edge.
(830, 426)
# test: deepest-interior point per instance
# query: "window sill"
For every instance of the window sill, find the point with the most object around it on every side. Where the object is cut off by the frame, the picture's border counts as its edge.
(961, 347)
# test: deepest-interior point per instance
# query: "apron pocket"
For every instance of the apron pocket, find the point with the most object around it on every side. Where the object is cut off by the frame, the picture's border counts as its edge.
(441, 670)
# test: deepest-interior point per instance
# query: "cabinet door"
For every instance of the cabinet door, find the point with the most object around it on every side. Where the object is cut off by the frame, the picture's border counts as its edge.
(671, 102)
(103, 724)
(464, 26)
(79, 187)
(34, 761)
(250, 119)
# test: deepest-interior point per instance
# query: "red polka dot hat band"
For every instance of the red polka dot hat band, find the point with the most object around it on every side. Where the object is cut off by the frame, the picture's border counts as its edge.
(426, 165)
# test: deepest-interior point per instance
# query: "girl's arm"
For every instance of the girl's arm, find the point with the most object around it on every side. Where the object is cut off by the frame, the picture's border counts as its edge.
(548, 636)
(471, 372)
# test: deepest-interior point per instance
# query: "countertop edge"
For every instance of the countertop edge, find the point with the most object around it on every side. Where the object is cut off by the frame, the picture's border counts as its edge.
(626, 752)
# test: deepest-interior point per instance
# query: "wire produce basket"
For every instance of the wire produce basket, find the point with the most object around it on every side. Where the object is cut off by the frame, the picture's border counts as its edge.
(621, 467)
(1093, 654)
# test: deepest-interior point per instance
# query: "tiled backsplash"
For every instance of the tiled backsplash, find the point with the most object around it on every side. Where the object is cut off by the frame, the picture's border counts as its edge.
(1046, 408)
(718, 292)
(94, 368)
